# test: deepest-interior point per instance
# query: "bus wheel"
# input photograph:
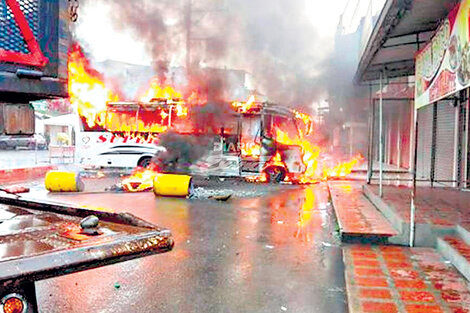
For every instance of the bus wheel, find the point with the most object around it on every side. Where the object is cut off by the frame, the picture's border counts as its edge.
(144, 161)
(275, 174)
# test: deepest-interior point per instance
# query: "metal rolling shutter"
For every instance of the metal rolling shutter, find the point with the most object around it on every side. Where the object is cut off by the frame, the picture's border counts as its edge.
(375, 141)
(386, 136)
(394, 135)
(445, 142)
(405, 136)
(423, 168)
(461, 161)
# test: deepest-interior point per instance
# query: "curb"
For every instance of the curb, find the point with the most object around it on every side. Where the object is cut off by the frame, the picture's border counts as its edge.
(388, 211)
(454, 256)
(425, 234)
(18, 175)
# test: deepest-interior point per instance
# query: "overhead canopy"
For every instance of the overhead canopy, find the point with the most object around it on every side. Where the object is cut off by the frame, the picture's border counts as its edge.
(402, 28)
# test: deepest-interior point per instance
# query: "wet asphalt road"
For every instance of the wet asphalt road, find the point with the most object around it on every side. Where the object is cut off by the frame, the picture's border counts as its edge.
(276, 252)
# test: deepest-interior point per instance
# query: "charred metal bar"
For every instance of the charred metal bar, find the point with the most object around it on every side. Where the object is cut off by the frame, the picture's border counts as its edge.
(73, 260)
(120, 218)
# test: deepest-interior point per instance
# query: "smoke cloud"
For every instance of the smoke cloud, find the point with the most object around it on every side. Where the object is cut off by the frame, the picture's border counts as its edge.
(283, 48)
(274, 40)
(181, 151)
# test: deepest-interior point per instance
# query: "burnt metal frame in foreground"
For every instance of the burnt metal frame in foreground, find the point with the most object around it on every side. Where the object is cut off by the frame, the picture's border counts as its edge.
(27, 269)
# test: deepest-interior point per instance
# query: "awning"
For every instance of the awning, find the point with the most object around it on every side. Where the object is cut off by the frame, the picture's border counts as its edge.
(402, 28)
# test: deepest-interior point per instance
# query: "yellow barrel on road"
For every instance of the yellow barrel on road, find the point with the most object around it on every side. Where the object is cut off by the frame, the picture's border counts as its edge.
(172, 185)
(57, 181)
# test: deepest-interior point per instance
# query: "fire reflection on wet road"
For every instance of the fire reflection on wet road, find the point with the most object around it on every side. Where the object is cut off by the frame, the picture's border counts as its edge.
(268, 254)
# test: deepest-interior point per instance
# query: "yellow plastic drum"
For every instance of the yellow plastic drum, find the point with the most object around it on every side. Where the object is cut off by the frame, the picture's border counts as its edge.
(63, 182)
(172, 185)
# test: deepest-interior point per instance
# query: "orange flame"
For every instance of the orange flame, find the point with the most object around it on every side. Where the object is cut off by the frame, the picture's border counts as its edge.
(88, 93)
(245, 107)
(310, 154)
(307, 122)
(140, 180)
(155, 91)
(275, 160)
(250, 150)
(343, 169)
(257, 179)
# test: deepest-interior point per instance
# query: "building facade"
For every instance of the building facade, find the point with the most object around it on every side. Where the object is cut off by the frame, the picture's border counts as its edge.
(423, 45)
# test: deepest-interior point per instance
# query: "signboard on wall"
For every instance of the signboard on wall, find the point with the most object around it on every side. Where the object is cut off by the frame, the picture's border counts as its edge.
(442, 67)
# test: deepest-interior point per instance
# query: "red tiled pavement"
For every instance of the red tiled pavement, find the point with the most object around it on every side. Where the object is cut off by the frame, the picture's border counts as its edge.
(422, 308)
(379, 307)
(355, 214)
(441, 207)
(422, 283)
(376, 293)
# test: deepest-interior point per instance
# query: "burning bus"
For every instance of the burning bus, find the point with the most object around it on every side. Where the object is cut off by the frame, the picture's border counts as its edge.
(250, 144)
(253, 139)
(248, 141)
(127, 135)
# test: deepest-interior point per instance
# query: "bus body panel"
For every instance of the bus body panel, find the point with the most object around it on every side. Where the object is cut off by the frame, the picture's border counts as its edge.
(104, 149)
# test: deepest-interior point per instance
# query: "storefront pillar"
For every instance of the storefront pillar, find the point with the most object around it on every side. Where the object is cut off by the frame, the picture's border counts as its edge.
(413, 190)
(381, 141)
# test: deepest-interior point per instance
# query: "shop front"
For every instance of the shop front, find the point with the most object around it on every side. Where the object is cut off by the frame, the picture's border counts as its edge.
(442, 81)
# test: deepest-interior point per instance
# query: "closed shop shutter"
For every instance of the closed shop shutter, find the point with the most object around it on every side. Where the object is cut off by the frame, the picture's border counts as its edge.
(405, 136)
(390, 147)
(461, 160)
(394, 132)
(386, 134)
(423, 168)
(375, 141)
(445, 142)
